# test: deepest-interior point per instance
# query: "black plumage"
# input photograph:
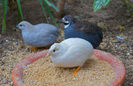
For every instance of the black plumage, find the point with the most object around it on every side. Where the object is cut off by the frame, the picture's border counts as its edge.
(76, 29)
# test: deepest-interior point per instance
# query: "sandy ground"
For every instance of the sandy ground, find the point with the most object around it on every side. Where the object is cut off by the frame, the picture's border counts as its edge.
(115, 20)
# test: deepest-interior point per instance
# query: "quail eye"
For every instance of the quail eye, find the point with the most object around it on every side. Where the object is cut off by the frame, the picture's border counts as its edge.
(65, 19)
(20, 25)
(54, 50)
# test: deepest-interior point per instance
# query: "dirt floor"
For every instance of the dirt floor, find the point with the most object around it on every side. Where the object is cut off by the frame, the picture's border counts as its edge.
(115, 19)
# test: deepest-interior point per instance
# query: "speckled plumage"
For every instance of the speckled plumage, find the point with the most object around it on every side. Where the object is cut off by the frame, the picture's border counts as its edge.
(71, 52)
(89, 32)
(39, 35)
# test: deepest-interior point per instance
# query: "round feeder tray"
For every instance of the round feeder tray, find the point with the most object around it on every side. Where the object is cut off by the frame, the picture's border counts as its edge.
(116, 64)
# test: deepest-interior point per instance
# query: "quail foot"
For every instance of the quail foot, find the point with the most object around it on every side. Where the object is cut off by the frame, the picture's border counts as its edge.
(89, 32)
(72, 52)
(39, 35)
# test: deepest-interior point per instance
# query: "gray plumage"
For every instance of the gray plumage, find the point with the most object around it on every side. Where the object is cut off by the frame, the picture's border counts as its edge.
(39, 35)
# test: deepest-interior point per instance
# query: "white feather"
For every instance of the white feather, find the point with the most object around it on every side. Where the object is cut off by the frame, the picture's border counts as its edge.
(65, 26)
(72, 52)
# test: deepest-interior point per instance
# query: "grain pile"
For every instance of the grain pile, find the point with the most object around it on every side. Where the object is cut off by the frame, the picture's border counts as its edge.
(11, 55)
(43, 73)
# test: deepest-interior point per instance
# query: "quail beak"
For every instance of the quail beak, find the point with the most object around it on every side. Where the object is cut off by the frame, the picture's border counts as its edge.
(49, 53)
(17, 26)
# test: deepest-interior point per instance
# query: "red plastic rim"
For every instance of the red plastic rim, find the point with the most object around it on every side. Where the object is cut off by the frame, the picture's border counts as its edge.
(112, 60)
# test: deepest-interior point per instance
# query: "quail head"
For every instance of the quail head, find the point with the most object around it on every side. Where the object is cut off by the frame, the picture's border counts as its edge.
(89, 32)
(39, 35)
